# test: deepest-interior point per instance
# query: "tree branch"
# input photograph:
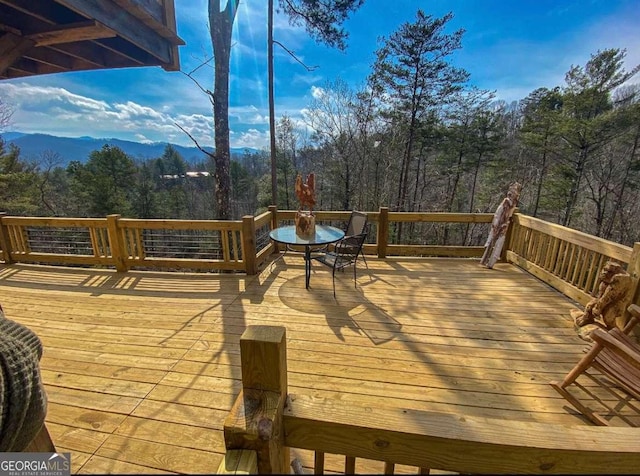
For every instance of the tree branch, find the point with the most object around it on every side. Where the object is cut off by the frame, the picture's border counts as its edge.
(195, 81)
(293, 55)
(193, 139)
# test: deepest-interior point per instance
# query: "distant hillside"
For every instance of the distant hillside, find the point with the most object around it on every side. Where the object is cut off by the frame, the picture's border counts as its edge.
(33, 145)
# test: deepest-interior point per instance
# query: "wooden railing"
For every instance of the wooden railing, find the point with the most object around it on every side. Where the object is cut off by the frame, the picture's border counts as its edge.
(126, 243)
(568, 260)
(382, 222)
(197, 244)
(265, 423)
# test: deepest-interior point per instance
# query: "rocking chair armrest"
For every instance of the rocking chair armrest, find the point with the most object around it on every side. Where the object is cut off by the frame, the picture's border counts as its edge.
(621, 347)
(634, 311)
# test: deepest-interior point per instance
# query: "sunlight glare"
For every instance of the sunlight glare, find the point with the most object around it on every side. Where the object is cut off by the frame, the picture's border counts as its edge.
(248, 44)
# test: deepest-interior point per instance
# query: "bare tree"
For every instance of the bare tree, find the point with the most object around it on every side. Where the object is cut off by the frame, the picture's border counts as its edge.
(333, 116)
(6, 111)
(221, 22)
(322, 21)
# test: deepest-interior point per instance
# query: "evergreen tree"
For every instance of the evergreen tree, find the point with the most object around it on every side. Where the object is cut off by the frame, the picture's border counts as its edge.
(18, 192)
(413, 74)
(108, 179)
(144, 199)
(540, 135)
(588, 120)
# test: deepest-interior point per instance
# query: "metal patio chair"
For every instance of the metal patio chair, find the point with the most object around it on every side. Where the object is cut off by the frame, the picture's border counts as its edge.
(345, 253)
(356, 225)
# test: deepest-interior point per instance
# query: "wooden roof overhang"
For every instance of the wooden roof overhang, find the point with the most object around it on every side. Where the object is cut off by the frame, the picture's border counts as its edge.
(54, 36)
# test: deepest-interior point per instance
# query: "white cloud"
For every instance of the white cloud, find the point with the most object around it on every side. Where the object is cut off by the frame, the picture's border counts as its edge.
(249, 115)
(57, 111)
(250, 138)
(307, 78)
(317, 92)
(141, 138)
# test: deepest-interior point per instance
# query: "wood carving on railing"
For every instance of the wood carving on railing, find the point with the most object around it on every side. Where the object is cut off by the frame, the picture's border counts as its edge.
(607, 309)
(499, 226)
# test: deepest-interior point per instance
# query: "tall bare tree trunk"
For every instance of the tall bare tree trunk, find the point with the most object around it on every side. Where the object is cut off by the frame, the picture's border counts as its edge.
(272, 112)
(221, 28)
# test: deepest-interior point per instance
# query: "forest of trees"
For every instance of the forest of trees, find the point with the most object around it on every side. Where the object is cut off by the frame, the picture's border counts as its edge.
(416, 137)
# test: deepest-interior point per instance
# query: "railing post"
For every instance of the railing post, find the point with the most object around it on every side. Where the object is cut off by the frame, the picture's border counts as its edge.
(249, 244)
(274, 216)
(274, 224)
(5, 243)
(383, 232)
(633, 268)
(116, 243)
(255, 420)
(508, 239)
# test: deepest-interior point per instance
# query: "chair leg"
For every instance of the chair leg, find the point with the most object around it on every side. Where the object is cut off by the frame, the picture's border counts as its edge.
(355, 282)
(333, 280)
(582, 365)
(574, 373)
(365, 260)
(586, 411)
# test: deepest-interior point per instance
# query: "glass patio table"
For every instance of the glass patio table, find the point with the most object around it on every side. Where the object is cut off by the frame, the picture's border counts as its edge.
(323, 236)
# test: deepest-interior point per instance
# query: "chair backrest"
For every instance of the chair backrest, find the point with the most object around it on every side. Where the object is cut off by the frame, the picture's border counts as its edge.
(357, 223)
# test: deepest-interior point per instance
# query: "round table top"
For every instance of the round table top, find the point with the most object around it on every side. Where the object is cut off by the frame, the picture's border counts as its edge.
(324, 234)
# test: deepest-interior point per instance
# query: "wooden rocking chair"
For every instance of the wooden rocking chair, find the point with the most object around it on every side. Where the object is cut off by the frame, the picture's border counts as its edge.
(616, 357)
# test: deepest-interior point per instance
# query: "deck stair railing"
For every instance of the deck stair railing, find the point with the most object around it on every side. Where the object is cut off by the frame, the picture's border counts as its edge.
(265, 424)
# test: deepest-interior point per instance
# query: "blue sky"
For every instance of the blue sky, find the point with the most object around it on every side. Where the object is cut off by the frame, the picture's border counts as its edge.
(512, 47)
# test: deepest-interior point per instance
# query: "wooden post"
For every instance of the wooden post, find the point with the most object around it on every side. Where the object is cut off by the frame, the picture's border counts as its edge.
(116, 243)
(5, 243)
(274, 224)
(239, 462)
(274, 216)
(249, 244)
(508, 241)
(383, 232)
(255, 420)
(633, 268)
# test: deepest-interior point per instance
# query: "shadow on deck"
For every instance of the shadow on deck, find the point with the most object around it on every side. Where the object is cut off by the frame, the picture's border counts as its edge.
(141, 368)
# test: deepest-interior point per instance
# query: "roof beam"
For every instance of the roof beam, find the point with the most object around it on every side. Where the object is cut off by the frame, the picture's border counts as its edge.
(54, 57)
(12, 47)
(44, 11)
(86, 30)
(124, 24)
(33, 68)
(10, 29)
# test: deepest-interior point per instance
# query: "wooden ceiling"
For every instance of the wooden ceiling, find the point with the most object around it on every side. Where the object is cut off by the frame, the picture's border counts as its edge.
(54, 36)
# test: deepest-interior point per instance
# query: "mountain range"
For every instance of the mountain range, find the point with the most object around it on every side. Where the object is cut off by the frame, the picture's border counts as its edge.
(33, 146)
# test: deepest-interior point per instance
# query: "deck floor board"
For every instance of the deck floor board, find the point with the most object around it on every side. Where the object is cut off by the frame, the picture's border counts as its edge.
(141, 368)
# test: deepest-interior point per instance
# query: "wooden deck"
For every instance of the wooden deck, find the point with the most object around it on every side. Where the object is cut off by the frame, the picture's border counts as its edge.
(141, 368)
